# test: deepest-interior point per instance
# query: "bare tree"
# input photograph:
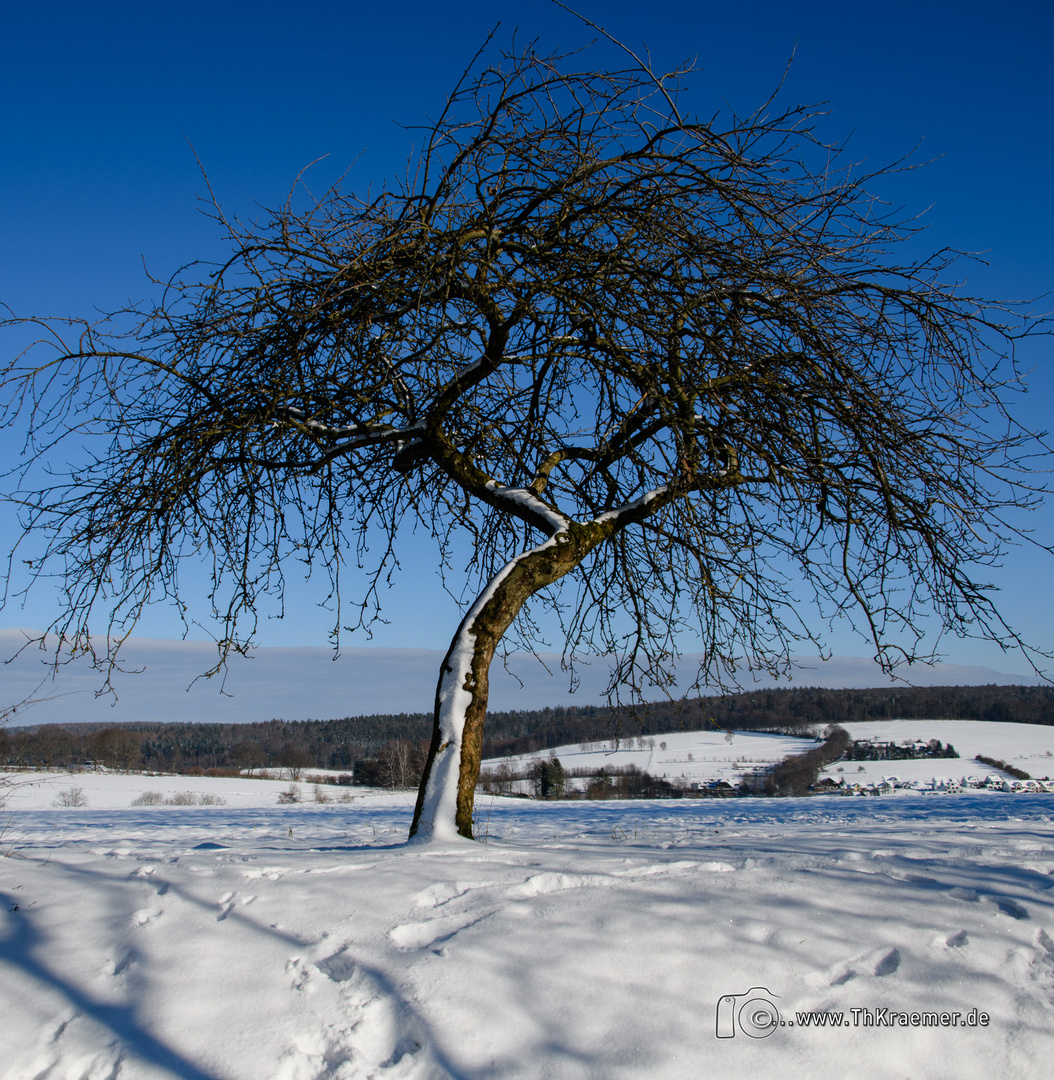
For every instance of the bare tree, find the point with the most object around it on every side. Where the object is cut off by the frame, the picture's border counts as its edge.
(116, 748)
(683, 361)
(400, 763)
(295, 759)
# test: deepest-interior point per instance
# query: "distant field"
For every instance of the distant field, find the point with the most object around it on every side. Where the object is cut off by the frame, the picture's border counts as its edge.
(701, 756)
(113, 791)
(680, 757)
(1025, 746)
(684, 756)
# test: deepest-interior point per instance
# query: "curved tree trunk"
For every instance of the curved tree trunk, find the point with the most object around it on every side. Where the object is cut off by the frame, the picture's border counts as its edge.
(444, 800)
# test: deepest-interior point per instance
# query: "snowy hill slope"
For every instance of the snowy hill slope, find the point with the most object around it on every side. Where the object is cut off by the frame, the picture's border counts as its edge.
(686, 756)
(701, 756)
(1024, 746)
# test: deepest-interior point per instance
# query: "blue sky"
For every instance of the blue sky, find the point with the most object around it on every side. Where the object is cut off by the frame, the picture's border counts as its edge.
(97, 176)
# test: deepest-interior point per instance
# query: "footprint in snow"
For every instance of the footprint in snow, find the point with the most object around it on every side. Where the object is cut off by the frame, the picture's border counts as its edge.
(339, 967)
(271, 873)
(957, 941)
(880, 963)
(67, 1047)
(124, 962)
(650, 869)
(888, 963)
(146, 875)
(377, 1033)
(417, 935)
(441, 893)
(550, 882)
(969, 895)
(1041, 966)
(226, 903)
(1010, 907)
(300, 975)
(145, 916)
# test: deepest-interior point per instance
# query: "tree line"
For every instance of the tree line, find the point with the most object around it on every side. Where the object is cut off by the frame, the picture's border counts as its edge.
(788, 711)
(798, 774)
(389, 749)
(868, 750)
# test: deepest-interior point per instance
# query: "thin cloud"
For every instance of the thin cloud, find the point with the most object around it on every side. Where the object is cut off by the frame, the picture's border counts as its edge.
(309, 683)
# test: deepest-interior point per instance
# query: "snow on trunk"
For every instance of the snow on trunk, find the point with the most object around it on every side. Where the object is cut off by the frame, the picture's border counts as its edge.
(462, 684)
(437, 809)
(463, 688)
(444, 801)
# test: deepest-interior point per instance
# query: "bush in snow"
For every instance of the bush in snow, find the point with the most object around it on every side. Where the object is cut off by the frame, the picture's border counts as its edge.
(71, 796)
(148, 798)
(180, 798)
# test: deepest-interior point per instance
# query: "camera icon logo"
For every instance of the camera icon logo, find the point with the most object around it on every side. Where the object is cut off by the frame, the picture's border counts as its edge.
(754, 1013)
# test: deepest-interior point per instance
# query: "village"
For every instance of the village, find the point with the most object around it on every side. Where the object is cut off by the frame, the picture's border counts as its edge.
(916, 754)
(934, 786)
(887, 785)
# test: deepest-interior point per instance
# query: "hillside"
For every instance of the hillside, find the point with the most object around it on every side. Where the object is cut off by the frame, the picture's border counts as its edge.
(367, 744)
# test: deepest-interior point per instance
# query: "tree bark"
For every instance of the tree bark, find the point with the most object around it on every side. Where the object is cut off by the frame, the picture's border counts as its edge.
(445, 797)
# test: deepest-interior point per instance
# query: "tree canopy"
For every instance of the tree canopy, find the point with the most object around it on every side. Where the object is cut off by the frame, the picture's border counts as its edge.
(693, 363)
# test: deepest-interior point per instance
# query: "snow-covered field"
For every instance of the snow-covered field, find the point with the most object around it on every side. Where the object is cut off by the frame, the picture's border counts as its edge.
(690, 757)
(582, 940)
(106, 790)
(1024, 746)
(684, 756)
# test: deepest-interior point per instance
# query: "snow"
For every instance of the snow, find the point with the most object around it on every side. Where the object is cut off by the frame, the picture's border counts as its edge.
(439, 805)
(581, 940)
(684, 756)
(527, 499)
(697, 757)
(106, 790)
(1024, 746)
(628, 508)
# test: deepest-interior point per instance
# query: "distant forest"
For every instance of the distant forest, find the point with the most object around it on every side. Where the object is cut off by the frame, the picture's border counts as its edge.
(390, 749)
